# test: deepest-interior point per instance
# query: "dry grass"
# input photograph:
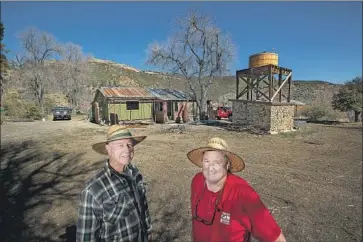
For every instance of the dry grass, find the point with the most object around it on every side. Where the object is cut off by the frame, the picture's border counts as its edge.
(311, 178)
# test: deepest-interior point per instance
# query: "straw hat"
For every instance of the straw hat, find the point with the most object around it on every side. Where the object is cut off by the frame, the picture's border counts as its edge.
(217, 144)
(116, 132)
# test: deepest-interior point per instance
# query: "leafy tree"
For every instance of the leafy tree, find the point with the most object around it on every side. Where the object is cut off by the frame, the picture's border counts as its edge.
(349, 97)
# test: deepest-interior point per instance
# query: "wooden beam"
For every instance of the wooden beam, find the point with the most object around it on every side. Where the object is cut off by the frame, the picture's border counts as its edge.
(242, 93)
(270, 83)
(239, 78)
(289, 94)
(250, 87)
(263, 94)
(283, 70)
(282, 84)
(257, 88)
(237, 84)
(280, 79)
(275, 70)
(274, 88)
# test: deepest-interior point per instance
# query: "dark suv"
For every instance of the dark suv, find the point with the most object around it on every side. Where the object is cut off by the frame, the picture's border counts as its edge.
(62, 113)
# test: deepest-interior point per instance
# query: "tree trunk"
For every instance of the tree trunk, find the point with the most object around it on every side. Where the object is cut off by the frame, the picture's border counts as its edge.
(41, 102)
(2, 91)
(202, 113)
(356, 116)
(202, 105)
(75, 101)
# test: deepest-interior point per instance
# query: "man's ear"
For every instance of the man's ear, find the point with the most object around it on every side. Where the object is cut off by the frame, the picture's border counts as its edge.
(107, 148)
(228, 165)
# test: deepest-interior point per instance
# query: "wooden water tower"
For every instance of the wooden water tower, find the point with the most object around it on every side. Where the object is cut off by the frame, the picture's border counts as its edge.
(264, 101)
(262, 59)
(264, 79)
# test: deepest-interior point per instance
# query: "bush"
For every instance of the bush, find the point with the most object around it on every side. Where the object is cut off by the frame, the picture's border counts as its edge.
(15, 106)
(54, 99)
(33, 111)
(319, 113)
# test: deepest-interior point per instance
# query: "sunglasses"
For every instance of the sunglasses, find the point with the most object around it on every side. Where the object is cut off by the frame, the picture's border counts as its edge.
(205, 221)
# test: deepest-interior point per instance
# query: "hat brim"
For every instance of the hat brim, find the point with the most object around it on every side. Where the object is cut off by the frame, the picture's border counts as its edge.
(237, 163)
(101, 146)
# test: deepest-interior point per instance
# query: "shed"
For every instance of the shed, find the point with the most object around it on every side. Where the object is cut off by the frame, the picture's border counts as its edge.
(172, 103)
(299, 107)
(114, 104)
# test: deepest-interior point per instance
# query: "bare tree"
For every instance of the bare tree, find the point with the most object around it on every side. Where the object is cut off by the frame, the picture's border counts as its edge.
(198, 51)
(39, 49)
(75, 72)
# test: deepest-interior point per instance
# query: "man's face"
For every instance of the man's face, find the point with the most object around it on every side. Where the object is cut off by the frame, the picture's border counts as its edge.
(214, 166)
(121, 151)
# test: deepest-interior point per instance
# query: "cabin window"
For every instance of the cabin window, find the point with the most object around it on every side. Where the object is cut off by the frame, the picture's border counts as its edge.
(132, 105)
(176, 107)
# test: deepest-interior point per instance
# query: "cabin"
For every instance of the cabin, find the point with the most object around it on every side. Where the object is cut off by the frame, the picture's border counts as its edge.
(114, 104)
(172, 104)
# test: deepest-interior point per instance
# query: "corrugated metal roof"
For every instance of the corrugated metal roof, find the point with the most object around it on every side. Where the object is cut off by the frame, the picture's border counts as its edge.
(169, 94)
(297, 102)
(126, 92)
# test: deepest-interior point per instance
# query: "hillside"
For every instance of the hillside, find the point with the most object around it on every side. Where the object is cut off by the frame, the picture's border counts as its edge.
(111, 74)
(108, 73)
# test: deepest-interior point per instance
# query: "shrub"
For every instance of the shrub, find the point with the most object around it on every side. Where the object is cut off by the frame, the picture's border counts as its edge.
(319, 112)
(33, 111)
(15, 106)
(54, 99)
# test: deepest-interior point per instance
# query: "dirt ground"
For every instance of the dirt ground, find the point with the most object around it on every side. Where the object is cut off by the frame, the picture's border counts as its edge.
(311, 179)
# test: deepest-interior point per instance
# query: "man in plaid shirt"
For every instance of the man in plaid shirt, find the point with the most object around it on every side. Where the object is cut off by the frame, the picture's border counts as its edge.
(113, 204)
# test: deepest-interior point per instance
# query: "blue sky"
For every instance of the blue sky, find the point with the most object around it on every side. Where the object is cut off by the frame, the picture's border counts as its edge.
(317, 40)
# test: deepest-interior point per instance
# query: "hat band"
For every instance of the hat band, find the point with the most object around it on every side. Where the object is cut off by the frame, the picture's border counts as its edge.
(120, 135)
(216, 146)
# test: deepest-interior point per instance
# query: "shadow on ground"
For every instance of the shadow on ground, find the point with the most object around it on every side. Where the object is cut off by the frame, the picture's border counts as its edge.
(70, 234)
(337, 124)
(31, 184)
(326, 122)
(228, 126)
(169, 215)
(347, 127)
(168, 221)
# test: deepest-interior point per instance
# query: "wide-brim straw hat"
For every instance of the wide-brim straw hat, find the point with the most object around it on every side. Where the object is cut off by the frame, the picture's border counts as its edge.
(116, 132)
(217, 144)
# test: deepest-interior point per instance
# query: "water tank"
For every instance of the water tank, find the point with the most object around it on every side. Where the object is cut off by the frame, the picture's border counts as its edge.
(262, 59)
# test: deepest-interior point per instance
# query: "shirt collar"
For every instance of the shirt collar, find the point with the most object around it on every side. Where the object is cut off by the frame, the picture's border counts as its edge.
(111, 171)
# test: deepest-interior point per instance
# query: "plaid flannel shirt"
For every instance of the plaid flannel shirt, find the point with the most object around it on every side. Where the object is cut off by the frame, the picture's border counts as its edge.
(113, 207)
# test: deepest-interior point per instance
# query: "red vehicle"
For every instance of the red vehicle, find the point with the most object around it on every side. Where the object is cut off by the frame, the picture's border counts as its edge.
(224, 112)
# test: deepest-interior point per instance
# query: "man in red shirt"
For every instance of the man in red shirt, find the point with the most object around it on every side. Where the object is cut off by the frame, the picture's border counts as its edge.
(224, 206)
